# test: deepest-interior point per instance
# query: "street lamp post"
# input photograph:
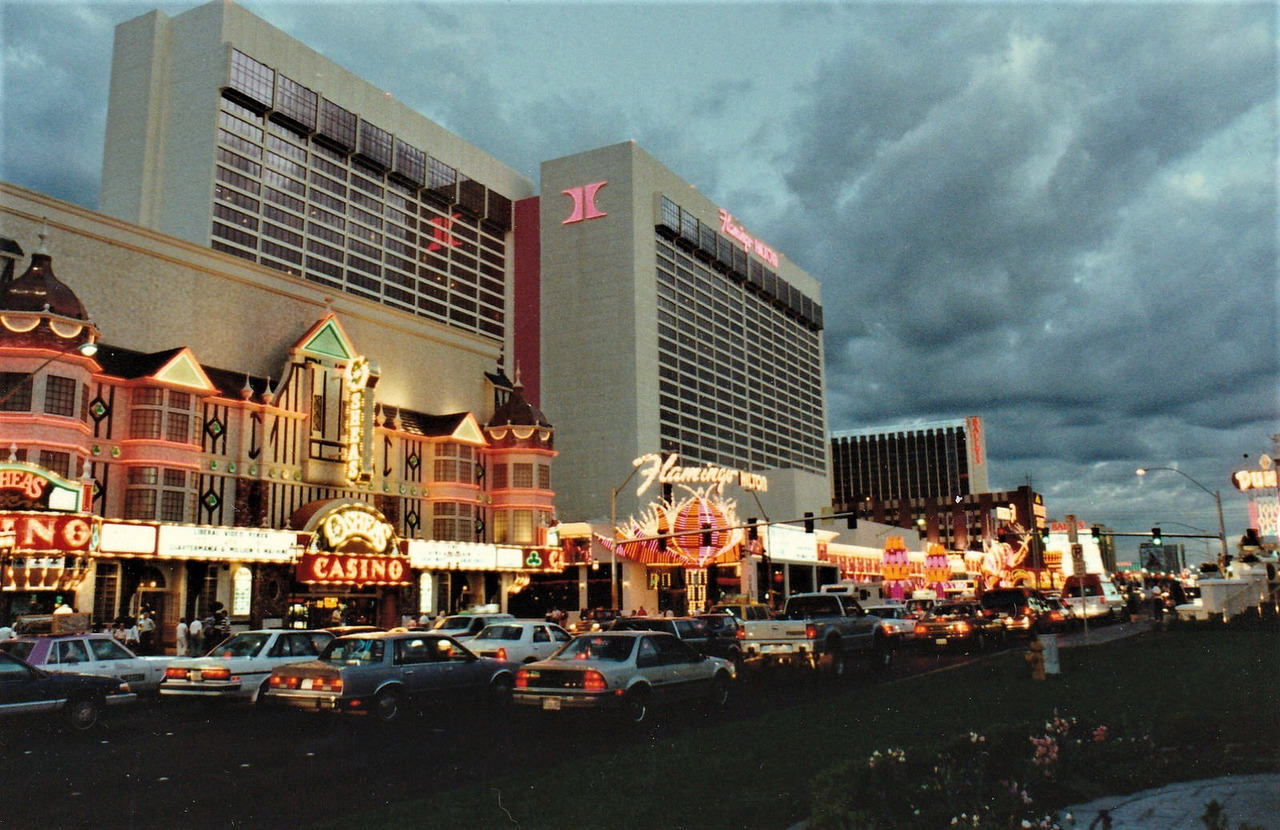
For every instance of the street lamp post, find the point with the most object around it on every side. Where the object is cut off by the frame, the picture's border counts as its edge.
(1217, 498)
(613, 535)
(88, 349)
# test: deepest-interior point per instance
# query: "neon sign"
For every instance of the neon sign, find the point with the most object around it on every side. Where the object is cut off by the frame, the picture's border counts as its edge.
(354, 426)
(1254, 479)
(343, 526)
(584, 203)
(45, 532)
(750, 244)
(442, 232)
(666, 472)
(357, 569)
(27, 484)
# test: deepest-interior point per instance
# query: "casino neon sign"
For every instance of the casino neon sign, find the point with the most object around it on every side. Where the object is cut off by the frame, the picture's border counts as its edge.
(749, 243)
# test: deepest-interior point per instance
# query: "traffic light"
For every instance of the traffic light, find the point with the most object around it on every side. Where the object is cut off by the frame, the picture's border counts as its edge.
(753, 532)
(1096, 532)
(1155, 536)
(808, 521)
(1044, 535)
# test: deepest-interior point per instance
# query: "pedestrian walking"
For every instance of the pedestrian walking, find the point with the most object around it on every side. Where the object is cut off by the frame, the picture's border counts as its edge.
(132, 636)
(196, 630)
(182, 633)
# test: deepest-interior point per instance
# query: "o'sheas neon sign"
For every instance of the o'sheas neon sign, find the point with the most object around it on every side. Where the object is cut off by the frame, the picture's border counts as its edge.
(354, 545)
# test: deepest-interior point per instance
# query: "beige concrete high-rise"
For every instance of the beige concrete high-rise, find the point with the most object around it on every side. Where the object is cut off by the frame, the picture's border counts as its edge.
(668, 327)
(225, 131)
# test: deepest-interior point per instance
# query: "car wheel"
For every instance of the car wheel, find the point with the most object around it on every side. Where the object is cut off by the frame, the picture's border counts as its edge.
(259, 697)
(635, 705)
(387, 705)
(500, 689)
(720, 691)
(83, 713)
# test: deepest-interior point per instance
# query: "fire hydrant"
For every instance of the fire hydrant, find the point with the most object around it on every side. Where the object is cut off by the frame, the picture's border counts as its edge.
(1035, 656)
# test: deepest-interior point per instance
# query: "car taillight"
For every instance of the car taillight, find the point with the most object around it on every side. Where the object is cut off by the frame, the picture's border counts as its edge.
(175, 673)
(963, 627)
(922, 630)
(215, 673)
(1055, 616)
(1024, 611)
(740, 633)
(810, 631)
(319, 684)
(274, 681)
(522, 679)
(593, 681)
(502, 653)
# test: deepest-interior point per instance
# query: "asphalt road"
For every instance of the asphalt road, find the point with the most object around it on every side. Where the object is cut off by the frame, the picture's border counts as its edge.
(194, 765)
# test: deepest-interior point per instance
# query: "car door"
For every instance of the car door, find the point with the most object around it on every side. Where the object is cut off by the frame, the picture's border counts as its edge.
(110, 659)
(418, 671)
(24, 688)
(675, 671)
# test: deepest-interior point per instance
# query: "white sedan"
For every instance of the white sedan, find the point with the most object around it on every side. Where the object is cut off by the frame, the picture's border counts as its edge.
(623, 671)
(520, 641)
(238, 668)
(88, 653)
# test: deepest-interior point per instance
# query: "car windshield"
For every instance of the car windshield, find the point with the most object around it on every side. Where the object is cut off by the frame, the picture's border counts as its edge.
(500, 632)
(241, 645)
(17, 648)
(354, 650)
(452, 624)
(613, 649)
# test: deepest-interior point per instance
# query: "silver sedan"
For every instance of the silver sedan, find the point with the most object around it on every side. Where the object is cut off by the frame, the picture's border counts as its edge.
(381, 673)
(624, 671)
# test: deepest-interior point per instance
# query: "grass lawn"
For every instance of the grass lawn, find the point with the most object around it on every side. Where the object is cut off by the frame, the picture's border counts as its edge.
(1209, 698)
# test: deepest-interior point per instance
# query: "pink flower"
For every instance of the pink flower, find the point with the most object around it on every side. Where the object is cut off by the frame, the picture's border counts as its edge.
(1099, 734)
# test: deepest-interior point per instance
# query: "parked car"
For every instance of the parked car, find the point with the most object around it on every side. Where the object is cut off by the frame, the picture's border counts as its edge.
(96, 654)
(895, 619)
(695, 631)
(1020, 609)
(80, 698)
(726, 637)
(623, 671)
(1062, 617)
(959, 624)
(520, 641)
(1093, 596)
(594, 620)
(238, 667)
(381, 673)
(745, 610)
(463, 627)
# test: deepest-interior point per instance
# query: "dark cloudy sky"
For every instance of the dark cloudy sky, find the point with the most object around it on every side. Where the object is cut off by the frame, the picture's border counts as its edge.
(1060, 217)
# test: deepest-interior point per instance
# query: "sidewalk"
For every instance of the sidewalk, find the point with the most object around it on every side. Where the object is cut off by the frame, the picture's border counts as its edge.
(1251, 801)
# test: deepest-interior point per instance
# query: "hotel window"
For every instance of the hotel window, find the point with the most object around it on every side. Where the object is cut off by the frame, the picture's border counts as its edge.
(105, 576)
(16, 389)
(296, 101)
(145, 423)
(501, 527)
(454, 462)
(173, 506)
(139, 504)
(544, 476)
(522, 527)
(522, 476)
(453, 522)
(500, 478)
(56, 462)
(59, 396)
(252, 78)
(337, 124)
(178, 428)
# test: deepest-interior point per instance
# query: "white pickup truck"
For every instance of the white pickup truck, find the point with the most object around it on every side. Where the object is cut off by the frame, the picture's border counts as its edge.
(819, 631)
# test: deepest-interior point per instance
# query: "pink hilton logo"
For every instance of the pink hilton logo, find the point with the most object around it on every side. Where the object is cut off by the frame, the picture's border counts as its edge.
(584, 202)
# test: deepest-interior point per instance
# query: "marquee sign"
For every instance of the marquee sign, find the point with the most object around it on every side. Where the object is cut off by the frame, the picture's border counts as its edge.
(23, 533)
(28, 487)
(665, 471)
(353, 544)
(1263, 478)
